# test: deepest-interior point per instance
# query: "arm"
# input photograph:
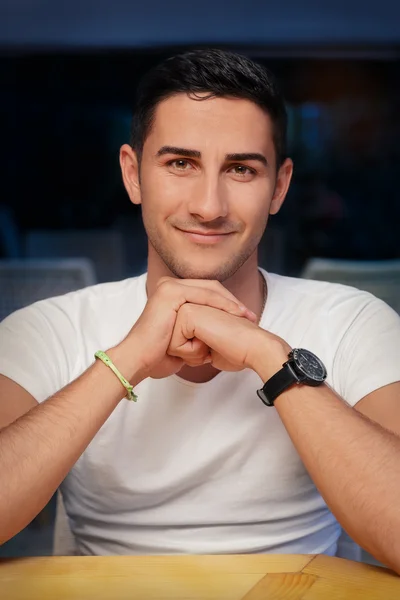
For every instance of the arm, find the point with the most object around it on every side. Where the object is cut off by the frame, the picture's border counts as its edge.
(354, 461)
(39, 443)
(39, 448)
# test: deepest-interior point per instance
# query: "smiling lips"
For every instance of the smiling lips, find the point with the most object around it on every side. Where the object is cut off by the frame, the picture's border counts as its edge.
(205, 237)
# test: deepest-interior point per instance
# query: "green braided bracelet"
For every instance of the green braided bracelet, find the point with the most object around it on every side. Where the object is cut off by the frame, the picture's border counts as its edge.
(108, 362)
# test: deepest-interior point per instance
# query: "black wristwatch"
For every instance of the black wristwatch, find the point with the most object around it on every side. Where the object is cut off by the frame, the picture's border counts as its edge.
(302, 367)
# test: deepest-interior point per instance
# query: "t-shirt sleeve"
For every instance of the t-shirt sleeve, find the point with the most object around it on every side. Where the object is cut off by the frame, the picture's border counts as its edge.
(368, 355)
(37, 348)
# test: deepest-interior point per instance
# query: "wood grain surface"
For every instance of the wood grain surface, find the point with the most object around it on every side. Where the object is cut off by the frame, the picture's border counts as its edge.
(232, 577)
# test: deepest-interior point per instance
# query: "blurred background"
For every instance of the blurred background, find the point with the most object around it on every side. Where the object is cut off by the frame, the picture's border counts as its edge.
(69, 74)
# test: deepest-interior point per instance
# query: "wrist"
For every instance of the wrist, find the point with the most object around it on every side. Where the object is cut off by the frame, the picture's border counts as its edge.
(126, 359)
(269, 354)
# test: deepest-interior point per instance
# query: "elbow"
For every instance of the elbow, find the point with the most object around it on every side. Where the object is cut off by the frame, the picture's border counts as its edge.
(393, 553)
(394, 562)
(389, 557)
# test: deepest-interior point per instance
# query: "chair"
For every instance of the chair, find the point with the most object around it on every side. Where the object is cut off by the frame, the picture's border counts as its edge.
(23, 281)
(64, 543)
(381, 278)
(347, 548)
(104, 247)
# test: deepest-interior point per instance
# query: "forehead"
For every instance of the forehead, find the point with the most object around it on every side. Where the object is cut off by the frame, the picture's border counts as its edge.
(229, 124)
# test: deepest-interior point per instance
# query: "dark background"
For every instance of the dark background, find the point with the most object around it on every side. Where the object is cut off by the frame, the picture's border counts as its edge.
(69, 74)
(66, 113)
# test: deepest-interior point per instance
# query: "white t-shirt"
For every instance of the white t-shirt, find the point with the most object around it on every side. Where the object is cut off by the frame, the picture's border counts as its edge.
(199, 468)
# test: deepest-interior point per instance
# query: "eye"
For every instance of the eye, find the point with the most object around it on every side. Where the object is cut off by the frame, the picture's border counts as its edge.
(242, 170)
(180, 164)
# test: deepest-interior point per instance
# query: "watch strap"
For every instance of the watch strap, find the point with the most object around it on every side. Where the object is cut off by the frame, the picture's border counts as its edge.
(277, 384)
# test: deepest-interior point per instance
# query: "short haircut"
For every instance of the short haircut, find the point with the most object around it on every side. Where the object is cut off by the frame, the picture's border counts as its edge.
(218, 74)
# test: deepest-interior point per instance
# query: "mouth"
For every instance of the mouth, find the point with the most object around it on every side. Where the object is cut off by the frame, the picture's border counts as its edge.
(205, 237)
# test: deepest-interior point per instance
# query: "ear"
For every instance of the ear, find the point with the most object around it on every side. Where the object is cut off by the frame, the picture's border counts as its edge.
(129, 163)
(282, 185)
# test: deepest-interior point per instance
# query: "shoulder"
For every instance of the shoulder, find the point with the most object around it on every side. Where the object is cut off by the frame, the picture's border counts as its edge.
(310, 288)
(333, 300)
(49, 343)
(355, 333)
(97, 297)
(328, 316)
(81, 307)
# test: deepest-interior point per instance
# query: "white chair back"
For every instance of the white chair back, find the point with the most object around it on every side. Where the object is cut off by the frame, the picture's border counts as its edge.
(381, 278)
(104, 247)
(63, 539)
(24, 281)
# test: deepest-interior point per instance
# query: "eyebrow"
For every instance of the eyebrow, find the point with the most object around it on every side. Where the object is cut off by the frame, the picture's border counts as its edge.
(237, 156)
(179, 152)
(241, 156)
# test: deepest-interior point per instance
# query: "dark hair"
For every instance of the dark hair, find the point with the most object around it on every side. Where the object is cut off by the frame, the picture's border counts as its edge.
(218, 74)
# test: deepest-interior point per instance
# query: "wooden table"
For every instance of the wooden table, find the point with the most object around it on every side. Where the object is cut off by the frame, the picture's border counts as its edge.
(250, 577)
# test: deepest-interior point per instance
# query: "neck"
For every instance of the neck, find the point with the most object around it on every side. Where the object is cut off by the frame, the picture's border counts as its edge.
(246, 285)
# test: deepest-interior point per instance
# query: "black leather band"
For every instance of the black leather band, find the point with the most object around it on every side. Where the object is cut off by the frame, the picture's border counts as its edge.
(277, 384)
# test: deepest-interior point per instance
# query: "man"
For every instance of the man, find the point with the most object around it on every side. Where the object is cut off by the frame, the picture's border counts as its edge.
(201, 463)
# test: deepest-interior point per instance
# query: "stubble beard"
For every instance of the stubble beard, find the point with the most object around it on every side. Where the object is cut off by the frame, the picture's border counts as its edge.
(182, 269)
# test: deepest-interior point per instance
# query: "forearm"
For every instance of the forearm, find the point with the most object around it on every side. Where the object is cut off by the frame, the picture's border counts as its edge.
(354, 462)
(38, 449)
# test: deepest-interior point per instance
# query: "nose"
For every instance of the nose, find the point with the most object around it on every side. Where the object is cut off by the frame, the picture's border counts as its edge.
(208, 200)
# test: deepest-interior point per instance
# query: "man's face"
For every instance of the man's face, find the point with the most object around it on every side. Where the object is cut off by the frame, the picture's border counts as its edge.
(207, 183)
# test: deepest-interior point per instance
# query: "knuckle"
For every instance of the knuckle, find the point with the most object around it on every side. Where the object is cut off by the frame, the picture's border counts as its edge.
(166, 285)
(186, 309)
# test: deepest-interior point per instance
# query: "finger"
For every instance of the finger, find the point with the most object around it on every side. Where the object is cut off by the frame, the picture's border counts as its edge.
(193, 352)
(217, 286)
(226, 335)
(212, 285)
(183, 341)
(179, 294)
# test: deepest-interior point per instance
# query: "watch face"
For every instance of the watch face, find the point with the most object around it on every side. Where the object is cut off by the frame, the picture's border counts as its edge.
(309, 365)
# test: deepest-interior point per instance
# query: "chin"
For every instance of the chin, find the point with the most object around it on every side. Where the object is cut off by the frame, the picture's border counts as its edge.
(220, 272)
(197, 274)
(201, 264)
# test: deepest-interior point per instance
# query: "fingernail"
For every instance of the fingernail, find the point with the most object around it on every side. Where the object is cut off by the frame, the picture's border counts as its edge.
(207, 360)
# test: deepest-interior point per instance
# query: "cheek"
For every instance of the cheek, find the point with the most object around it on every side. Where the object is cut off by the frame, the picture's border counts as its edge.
(251, 203)
(164, 193)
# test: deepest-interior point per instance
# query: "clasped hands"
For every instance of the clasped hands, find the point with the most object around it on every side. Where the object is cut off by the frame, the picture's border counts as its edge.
(195, 322)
